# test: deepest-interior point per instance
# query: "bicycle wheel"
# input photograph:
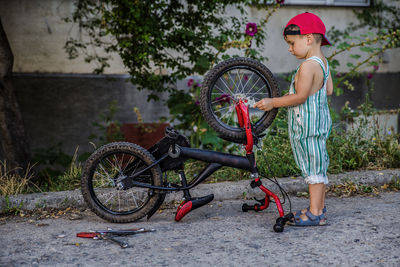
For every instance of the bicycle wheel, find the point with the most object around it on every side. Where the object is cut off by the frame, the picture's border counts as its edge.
(226, 83)
(103, 171)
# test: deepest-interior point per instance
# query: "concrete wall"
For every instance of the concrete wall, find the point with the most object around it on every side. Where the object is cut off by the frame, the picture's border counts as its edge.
(63, 108)
(60, 99)
(37, 34)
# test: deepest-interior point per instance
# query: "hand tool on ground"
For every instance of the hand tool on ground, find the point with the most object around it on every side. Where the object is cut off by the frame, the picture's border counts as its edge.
(110, 233)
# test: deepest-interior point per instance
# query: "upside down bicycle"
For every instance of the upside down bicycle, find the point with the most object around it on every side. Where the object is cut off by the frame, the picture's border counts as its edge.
(123, 182)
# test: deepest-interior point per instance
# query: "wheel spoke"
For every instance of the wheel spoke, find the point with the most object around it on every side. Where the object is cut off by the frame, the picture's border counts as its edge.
(219, 100)
(112, 195)
(252, 73)
(226, 86)
(222, 109)
(255, 84)
(222, 91)
(240, 82)
(234, 83)
(258, 90)
(134, 199)
(106, 173)
(131, 159)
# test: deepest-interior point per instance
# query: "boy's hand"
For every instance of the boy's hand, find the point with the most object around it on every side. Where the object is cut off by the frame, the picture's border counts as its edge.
(265, 104)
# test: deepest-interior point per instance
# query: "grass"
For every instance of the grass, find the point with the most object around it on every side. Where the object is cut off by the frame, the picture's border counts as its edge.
(347, 150)
(12, 182)
(71, 178)
(352, 150)
(350, 188)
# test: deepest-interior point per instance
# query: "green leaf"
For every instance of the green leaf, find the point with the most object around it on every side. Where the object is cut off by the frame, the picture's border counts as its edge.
(367, 49)
(343, 45)
(202, 64)
(334, 63)
(355, 56)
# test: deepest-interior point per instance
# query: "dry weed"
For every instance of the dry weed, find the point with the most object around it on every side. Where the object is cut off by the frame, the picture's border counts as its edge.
(12, 183)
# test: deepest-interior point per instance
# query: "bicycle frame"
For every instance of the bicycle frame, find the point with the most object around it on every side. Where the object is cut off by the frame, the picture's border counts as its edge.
(216, 160)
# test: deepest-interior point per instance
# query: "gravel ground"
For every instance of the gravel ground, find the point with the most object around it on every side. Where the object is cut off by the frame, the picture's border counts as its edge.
(362, 231)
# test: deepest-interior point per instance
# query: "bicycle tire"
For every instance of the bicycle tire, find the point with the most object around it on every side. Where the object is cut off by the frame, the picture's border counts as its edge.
(222, 74)
(100, 176)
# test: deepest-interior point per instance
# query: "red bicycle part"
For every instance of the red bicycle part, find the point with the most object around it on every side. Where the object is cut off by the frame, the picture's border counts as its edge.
(244, 121)
(188, 205)
(239, 114)
(183, 209)
(258, 207)
(87, 235)
(269, 194)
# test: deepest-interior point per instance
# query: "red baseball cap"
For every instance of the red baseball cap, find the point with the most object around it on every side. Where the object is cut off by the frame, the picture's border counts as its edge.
(308, 23)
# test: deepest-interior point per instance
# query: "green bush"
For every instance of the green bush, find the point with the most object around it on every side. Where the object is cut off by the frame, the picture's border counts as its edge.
(279, 160)
(347, 150)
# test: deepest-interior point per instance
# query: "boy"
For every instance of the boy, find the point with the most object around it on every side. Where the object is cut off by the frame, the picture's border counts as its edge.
(308, 114)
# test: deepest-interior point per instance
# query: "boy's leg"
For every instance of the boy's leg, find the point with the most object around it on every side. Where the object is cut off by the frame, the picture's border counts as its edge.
(317, 198)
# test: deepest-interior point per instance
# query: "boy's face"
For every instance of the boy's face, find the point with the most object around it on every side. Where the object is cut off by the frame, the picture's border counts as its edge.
(298, 45)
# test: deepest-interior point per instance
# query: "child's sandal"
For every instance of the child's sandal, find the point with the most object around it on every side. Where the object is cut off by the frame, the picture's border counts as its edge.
(300, 212)
(312, 220)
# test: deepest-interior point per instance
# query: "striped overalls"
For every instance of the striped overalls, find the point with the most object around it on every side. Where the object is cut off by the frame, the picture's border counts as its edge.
(309, 128)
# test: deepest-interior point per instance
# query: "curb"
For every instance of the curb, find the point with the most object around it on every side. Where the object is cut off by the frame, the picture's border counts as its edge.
(221, 191)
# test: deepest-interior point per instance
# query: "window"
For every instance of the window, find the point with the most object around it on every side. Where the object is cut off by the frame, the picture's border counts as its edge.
(329, 2)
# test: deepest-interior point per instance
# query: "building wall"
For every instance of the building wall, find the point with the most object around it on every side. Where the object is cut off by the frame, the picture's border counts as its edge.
(60, 99)
(64, 108)
(37, 34)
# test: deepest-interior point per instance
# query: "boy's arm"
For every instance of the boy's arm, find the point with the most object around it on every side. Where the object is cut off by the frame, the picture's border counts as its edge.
(305, 76)
(329, 85)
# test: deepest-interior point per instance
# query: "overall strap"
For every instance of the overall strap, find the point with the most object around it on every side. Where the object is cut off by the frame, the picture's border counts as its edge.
(321, 63)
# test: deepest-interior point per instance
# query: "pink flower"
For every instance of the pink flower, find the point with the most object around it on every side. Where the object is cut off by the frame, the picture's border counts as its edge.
(245, 77)
(251, 29)
(338, 75)
(369, 76)
(376, 68)
(280, 1)
(190, 83)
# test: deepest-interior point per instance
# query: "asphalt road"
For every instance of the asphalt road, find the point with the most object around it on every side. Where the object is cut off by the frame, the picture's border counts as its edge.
(362, 231)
